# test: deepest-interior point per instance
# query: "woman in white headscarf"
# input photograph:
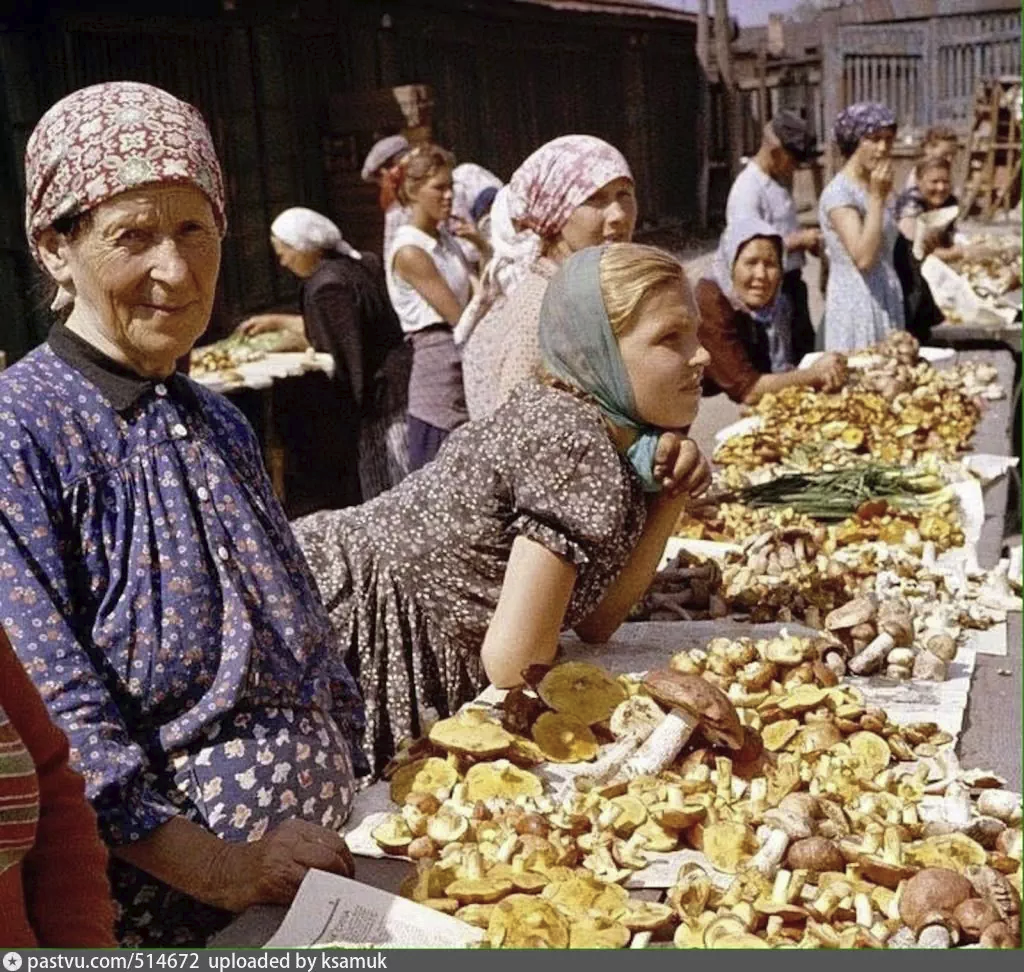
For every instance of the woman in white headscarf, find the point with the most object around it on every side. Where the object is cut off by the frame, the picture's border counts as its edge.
(347, 314)
(745, 320)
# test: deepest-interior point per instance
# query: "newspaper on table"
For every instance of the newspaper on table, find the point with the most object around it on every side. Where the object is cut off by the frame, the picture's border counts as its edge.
(956, 296)
(332, 910)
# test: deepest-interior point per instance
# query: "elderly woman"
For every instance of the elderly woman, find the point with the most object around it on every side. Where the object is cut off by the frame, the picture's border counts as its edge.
(53, 882)
(357, 448)
(742, 326)
(863, 299)
(151, 585)
(574, 192)
(551, 513)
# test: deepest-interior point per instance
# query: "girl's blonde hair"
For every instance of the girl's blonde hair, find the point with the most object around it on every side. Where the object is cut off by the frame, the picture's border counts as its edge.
(417, 166)
(629, 273)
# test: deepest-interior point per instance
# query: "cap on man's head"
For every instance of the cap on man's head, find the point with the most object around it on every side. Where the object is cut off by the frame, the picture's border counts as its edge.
(382, 153)
(794, 134)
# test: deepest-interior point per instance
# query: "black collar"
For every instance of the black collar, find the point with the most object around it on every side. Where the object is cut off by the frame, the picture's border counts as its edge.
(121, 386)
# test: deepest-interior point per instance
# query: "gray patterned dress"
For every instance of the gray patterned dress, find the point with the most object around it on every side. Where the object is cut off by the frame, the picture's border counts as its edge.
(862, 307)
(412, 578)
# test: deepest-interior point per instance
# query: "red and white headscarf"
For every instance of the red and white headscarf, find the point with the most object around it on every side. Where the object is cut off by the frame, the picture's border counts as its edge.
(538, 200)
(110, 138)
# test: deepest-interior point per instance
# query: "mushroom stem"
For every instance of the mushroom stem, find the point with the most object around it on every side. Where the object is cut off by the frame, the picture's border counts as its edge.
(934, 936)
(770, 855)
(866, 661)
(661, 747)
(956, 806)
(641, 939)
(863, 910)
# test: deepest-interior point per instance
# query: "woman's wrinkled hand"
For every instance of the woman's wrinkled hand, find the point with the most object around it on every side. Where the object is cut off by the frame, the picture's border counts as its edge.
(259, 324)
(270, 870)
(680, 467)
(830, 371)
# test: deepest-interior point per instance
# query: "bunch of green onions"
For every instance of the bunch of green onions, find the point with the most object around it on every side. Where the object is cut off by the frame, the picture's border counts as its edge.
(839, 494)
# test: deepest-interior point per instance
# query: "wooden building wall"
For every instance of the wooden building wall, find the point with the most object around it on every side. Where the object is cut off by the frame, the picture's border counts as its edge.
(506, 77)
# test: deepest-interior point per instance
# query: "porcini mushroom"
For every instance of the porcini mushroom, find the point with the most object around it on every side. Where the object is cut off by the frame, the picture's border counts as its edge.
(933, 890)
(692, 701)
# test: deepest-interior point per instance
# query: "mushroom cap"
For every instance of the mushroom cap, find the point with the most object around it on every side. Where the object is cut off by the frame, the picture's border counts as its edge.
(973, 916)
(815, 854)
(719, 722)
(934, 889)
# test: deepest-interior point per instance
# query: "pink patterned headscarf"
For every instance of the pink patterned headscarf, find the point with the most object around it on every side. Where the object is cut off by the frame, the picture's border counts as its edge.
(538, 200)
(110, 138)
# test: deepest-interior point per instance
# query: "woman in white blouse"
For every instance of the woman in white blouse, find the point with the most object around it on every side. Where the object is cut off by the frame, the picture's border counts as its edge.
(429, 285)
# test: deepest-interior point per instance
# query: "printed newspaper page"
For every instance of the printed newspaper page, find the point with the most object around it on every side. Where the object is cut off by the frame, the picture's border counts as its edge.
(332, 910)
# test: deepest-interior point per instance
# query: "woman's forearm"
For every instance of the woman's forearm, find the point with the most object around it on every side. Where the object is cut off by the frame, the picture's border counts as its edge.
(767, 384)
(634, 579)
(870, 242)
(188, 858)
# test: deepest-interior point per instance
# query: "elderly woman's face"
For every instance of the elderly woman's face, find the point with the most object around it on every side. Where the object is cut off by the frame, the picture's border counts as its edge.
(608, 216)
(664, 358)
(301, 262)
(144, 272)
(757, 273)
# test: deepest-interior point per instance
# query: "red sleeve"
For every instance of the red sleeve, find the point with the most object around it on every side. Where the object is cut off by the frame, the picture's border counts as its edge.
(730, 367)
(67, 895)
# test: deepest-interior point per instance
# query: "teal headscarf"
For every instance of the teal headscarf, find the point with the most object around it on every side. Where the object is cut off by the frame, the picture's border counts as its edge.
(578, 347)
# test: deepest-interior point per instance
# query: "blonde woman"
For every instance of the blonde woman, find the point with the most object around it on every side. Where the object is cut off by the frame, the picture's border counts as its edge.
(428, 282)
(551, 513)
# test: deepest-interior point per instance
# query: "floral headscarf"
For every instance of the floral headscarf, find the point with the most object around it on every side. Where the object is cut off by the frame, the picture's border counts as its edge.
(110, 138)
(538, 200)
(860, 120)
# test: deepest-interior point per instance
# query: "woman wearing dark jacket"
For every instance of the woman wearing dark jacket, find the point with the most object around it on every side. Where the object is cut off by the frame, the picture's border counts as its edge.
(743, 328)
(359, 449)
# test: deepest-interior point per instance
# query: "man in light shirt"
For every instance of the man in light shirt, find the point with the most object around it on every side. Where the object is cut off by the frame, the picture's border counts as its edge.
(380, 160)
(763, 190)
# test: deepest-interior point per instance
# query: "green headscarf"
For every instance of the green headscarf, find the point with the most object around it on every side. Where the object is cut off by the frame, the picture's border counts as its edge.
(577, 346)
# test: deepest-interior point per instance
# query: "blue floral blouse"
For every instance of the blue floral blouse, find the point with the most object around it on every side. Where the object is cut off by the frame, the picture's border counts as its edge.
(151, 586)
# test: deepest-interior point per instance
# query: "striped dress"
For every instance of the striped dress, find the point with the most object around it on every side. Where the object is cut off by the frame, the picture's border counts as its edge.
(53, 885)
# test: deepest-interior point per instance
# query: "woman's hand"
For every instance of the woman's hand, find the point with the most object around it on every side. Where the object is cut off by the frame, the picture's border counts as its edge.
(880, 182)
(830, 372)
(259, 324)
(270, 870)
(680, 467)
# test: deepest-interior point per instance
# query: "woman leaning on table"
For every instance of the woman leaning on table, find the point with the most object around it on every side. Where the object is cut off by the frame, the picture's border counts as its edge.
(863, 299)
(745, 331)
(149, 581)
(550, 513)
(53, 883)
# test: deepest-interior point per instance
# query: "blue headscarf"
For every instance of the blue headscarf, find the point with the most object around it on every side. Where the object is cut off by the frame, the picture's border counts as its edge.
(577, 346)
(859, 120)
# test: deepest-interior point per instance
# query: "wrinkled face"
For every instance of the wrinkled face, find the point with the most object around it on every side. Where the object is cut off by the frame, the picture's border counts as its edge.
(757, 273)
(301, 262)
(608, 216)
(935, 186)
(144, 272)
(875, 148)
(664, 359)
(434, 197)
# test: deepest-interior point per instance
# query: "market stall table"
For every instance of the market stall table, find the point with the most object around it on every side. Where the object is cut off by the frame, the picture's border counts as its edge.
(258, 378)
(991, 727)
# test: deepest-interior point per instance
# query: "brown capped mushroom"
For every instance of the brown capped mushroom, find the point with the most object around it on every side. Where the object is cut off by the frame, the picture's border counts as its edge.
(934, 889)
(692, 701)
(973, 916)
(815, 854)
(997, 935)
